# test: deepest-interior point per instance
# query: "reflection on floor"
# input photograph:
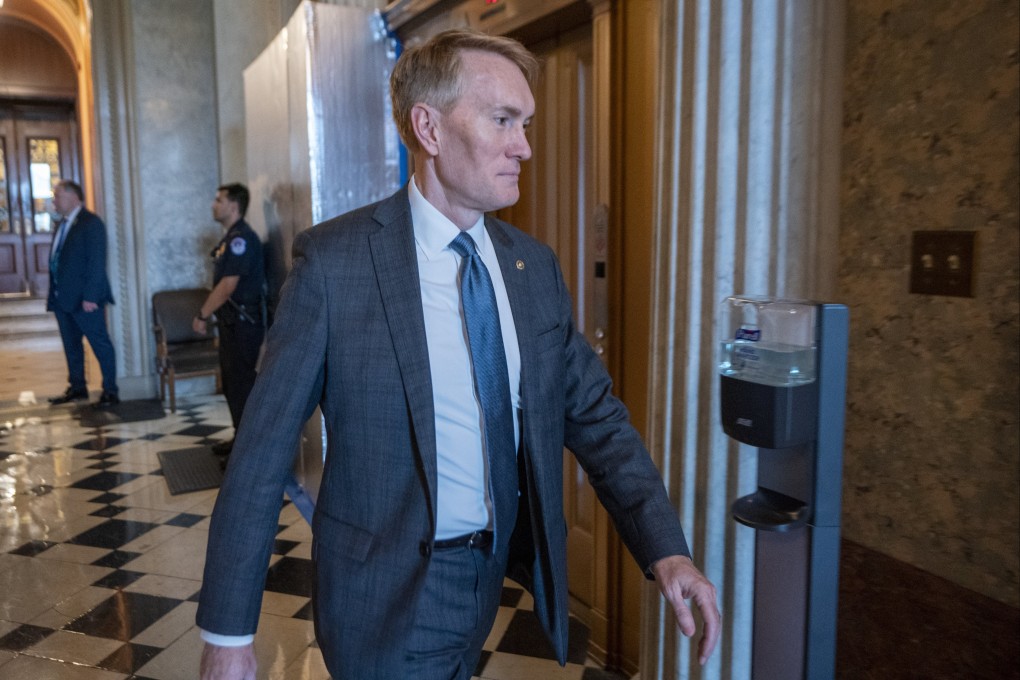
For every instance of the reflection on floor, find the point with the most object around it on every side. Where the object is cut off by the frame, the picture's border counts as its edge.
(100, 566)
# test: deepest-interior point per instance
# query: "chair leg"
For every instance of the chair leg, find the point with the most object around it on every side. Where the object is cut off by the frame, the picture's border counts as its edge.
(171, 381)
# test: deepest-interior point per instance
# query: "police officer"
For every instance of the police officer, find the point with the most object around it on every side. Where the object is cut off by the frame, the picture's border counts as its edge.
(236, 300)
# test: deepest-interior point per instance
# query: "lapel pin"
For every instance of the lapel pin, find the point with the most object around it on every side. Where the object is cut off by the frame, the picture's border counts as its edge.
(520, 264)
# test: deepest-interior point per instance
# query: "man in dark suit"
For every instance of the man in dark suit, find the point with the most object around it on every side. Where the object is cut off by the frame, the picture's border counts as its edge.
(79, 291)
(440, 345)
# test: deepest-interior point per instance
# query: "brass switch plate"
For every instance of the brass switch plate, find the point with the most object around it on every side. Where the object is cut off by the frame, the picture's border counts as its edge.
(942, 263)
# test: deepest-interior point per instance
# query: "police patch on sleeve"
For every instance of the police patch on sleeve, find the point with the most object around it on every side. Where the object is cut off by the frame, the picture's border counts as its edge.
(238, 246)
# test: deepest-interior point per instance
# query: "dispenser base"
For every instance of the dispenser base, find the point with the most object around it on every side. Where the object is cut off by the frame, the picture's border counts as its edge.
(770, 510)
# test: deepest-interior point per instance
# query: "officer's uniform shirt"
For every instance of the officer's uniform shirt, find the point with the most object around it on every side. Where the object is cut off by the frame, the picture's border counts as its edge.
(239, 253)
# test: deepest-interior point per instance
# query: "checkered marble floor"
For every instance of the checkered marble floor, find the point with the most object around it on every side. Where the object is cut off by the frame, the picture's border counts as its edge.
(100, 566)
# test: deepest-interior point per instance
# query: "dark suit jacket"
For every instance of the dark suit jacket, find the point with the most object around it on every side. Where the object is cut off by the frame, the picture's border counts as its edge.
(81, 267)
(350, 336)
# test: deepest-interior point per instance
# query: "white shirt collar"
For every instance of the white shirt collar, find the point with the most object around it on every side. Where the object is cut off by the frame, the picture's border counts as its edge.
(433, 231)
(73, 215)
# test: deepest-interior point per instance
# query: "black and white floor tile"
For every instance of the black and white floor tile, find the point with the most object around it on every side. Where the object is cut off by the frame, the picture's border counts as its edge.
(100, 566)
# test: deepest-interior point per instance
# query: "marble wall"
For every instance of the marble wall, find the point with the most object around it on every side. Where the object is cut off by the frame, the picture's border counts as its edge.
(931, 142)
(176, 151)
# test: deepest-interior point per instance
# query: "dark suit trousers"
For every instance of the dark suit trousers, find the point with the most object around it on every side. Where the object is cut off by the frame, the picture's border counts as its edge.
(239, 353)
(92, 325)
(455, 611)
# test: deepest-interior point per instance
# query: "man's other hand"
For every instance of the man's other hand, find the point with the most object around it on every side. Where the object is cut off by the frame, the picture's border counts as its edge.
(680, 580)
(228, 663)
(89, 306)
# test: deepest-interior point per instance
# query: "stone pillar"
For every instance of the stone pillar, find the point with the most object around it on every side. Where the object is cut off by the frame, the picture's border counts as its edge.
(157, 164)
(748, 195)
(117, 193)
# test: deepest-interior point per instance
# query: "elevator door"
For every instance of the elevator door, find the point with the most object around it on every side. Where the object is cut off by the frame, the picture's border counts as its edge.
(556, 207)
(37, 150)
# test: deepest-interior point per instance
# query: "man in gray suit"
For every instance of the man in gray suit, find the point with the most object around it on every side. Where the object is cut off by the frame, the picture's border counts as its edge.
(439, 344)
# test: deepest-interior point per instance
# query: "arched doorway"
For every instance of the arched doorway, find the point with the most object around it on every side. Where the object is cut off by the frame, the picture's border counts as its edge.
(45, 124)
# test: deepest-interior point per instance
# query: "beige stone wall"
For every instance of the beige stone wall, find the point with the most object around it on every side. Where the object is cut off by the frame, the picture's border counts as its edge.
(931, 142)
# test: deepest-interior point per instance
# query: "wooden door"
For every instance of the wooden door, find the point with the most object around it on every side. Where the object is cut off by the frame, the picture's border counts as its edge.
(12, 250)
(38, 149)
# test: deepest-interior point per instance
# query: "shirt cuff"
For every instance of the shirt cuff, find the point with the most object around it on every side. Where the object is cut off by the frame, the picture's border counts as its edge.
(226, 640)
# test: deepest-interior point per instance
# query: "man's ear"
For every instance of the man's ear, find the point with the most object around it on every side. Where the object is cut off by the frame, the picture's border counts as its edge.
(425, 124)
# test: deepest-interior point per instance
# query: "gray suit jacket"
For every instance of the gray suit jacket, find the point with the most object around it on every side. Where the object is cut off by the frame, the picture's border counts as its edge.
(349, 336)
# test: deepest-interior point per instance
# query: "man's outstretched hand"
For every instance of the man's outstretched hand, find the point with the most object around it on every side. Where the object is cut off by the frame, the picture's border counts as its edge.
(679, 580)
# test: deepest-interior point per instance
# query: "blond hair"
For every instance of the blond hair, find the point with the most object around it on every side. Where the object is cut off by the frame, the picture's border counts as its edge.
(429, 73)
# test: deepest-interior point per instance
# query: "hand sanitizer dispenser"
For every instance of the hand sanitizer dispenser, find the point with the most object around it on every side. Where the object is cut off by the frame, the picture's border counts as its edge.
(782, 371)
(767, 366)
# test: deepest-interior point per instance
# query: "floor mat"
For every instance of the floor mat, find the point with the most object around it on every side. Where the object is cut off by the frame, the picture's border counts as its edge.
(125, 412)
(191, 469)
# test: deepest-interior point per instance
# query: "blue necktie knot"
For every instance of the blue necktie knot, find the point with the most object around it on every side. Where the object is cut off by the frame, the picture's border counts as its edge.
(464, 245)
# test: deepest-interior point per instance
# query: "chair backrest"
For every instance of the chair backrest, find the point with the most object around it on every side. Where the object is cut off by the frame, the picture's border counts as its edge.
(173, 311)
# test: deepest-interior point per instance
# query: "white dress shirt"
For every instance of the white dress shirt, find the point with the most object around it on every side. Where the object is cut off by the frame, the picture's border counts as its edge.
(463, 503)
(63, 227)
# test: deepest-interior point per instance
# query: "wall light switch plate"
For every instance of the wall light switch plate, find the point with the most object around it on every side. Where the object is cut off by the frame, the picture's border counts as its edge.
(942, 263)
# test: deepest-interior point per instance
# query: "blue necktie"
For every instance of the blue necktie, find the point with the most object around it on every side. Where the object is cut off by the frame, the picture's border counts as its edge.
(488, 359)
(58, 243)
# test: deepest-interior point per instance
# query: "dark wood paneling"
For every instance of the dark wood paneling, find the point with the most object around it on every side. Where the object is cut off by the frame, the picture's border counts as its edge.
(7, 261)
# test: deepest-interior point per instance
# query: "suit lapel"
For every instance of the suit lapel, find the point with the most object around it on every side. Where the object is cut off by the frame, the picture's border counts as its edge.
(396, 270)
(513, 267)
(513, 264)
(543, 484)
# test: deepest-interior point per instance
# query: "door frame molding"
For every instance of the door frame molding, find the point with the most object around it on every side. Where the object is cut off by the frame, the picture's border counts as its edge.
(29, 118)
(97, 36)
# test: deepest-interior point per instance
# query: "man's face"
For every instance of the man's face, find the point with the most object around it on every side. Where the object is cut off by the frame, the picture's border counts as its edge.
(482, 137)
(223, 209)
(64, 200)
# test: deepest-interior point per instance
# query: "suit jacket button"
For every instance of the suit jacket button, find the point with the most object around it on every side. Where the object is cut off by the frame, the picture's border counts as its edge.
(425, 548)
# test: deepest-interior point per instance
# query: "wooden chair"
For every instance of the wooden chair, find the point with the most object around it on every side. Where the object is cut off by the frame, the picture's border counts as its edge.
(180, 351)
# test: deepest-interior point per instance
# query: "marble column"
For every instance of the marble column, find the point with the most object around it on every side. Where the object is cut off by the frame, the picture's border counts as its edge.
(117, 192)
(155, 127)
(748, 191)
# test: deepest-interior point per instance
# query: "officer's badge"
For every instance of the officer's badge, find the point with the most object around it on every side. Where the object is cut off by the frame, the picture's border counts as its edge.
(238, 245)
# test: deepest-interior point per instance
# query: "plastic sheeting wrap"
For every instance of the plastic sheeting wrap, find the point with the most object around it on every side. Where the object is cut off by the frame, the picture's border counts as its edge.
(319, 132)
(320, 141)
